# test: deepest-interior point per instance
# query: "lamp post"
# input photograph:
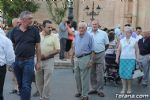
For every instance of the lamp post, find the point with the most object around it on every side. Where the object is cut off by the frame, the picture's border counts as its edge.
(70, 9)
(93, 12)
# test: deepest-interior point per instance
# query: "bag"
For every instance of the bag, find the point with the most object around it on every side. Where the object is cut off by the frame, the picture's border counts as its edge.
(138, 71)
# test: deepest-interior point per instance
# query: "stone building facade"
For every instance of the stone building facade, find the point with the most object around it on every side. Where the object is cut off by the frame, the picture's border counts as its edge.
(113, 12)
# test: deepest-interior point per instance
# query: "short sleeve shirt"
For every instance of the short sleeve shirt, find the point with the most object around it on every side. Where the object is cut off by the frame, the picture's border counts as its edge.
(100, 39)
(24, 42)
(49, 43)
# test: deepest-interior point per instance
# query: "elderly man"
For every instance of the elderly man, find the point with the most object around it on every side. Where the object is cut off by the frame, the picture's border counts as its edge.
(144, 48)
(49, 47)
(7, 57)
(82, 49)
(97, 71)
(26, 40)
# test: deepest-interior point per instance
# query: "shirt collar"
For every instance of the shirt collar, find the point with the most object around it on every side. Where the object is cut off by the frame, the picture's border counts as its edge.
(28, 28)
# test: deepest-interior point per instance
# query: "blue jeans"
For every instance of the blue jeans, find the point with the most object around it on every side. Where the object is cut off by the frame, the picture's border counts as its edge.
(24, 70)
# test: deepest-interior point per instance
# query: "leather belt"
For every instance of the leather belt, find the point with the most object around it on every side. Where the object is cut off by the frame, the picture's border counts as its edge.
(23, 58)
(83, 55)
(98, 52)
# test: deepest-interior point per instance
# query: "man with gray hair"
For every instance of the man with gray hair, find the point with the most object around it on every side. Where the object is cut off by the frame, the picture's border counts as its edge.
(82, 48)
(100, 44)
(26, 40)
(15, 23)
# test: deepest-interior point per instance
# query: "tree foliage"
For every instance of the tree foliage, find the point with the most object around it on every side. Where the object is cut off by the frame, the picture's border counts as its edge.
(57, 9)
(12, 8)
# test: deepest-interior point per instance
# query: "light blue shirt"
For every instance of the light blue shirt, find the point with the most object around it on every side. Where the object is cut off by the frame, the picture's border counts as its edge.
(100, 39)
(7, 55)
(83, 44)
(63, 33)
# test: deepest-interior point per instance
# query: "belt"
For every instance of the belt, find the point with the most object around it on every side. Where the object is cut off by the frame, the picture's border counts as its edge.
(47, 58)
(23, 58)
(98, 52)
(83, 55)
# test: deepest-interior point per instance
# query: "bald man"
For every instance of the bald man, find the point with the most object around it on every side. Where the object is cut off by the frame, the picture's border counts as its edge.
(15, 22)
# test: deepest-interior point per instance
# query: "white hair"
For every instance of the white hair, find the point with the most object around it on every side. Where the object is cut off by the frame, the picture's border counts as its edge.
(128, 29)
(82, 24)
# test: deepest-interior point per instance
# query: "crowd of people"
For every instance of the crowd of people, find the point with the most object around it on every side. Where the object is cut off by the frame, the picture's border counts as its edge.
(29, 49)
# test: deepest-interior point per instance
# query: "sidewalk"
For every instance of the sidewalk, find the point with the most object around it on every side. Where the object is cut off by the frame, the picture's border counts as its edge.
(63, 87)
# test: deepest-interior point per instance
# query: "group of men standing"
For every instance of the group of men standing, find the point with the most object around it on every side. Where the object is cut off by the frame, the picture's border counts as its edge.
(89, 49)
(29, 44)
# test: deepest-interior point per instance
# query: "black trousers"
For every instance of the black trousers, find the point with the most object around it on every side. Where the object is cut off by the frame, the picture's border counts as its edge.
(2, 79)
(68, 45)
(63, 42)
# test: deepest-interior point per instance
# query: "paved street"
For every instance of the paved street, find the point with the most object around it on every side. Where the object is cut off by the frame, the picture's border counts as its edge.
(63, 88)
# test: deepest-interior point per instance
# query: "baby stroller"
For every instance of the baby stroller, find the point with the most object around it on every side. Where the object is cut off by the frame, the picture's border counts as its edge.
(111, 72)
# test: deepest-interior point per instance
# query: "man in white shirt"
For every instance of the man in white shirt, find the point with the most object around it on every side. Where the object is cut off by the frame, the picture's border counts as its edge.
(7, 57)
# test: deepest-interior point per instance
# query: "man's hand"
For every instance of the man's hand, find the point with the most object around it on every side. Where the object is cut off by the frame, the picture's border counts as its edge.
(90, 63)
(42, 57)
(148, 59)
(72, 60)
(10, 68)
(38, 66)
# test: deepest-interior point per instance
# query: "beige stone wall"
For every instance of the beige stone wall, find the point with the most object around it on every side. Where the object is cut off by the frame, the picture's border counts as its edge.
(42, 13)
(114, 12)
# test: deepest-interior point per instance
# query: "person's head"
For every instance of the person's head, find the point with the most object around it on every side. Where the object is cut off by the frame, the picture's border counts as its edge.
(15, 22)
(146, 34)
(82, 26)
(138, 30)
(127, 25)
(68, 23)
(26, 18)
(105, 29)
(95, 25)
(111, 36)
(65, 19)
(128, 31)
(47, 26)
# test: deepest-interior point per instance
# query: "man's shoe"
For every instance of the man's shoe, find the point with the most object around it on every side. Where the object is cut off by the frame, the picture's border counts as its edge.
(85, 98)
(101, 94)
(144, 85)
(13, 91)
(36, 94)
(78, 95)
(92, 92)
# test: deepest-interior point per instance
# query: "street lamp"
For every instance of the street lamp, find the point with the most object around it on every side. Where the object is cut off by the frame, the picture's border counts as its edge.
(93, 12)
(70, 9)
